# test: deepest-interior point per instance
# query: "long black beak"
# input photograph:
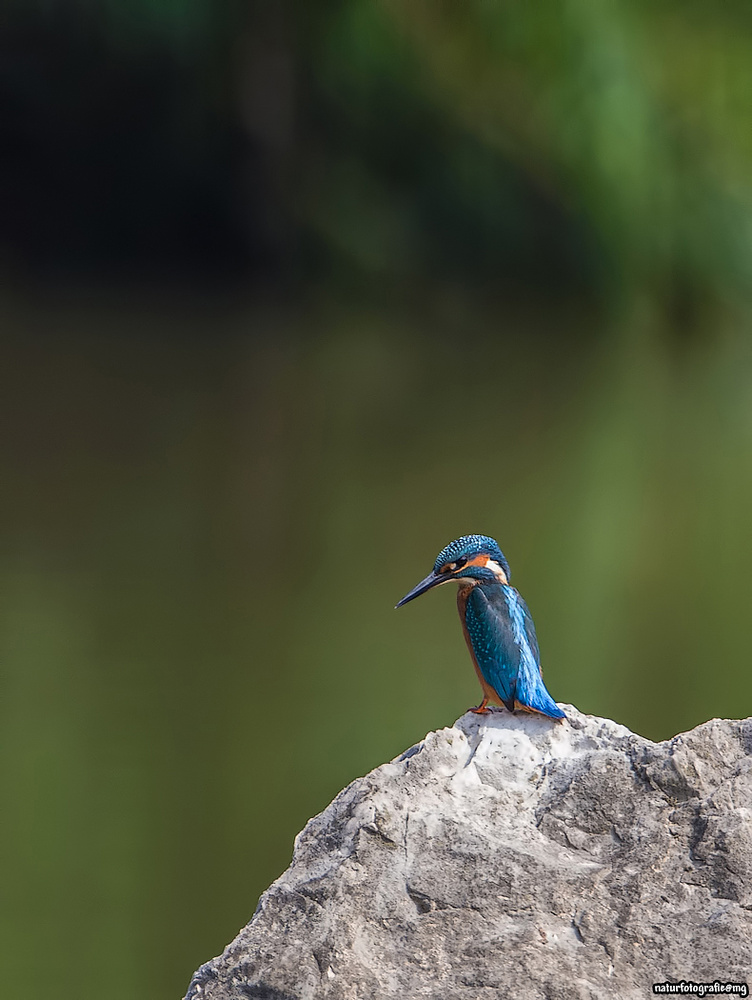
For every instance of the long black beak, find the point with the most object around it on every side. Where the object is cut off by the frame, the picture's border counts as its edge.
(432, 580)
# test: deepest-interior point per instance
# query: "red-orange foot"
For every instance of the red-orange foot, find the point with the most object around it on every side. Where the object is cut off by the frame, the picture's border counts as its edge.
(481, 709)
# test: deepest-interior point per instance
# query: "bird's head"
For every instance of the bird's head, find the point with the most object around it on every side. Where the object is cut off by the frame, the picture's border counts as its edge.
(469, 560)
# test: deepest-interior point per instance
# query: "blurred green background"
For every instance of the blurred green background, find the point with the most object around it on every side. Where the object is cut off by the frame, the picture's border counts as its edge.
(292, 295)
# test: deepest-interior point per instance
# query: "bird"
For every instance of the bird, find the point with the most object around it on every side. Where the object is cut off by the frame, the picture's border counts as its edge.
(498, 627)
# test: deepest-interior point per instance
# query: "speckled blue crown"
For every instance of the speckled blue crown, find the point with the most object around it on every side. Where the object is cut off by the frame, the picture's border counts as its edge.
(469, 546)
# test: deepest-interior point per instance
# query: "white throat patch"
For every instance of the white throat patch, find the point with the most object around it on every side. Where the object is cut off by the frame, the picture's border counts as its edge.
(497, 571)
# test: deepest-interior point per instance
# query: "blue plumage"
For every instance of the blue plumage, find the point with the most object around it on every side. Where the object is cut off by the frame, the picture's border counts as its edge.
(503, 642)
(497, 624)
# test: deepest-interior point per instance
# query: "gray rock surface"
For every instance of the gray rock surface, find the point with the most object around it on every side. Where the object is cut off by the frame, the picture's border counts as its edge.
(514, 857)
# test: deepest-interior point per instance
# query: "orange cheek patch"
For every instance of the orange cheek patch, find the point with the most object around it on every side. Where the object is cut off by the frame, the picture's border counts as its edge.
(480, 560)
(483, 560)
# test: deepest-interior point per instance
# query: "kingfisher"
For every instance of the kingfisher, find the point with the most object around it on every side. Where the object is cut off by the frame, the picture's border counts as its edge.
(498, 627)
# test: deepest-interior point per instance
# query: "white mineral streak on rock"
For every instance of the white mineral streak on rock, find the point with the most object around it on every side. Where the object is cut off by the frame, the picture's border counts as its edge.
(514, 856)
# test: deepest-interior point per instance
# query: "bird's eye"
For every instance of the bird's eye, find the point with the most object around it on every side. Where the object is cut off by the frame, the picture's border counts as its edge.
(452, 567)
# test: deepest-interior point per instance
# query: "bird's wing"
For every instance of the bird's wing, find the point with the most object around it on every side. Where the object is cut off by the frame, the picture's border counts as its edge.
(505, 645)
(495, 620)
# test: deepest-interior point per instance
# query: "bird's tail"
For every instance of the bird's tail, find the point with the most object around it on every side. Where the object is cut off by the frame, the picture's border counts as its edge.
(539, 700)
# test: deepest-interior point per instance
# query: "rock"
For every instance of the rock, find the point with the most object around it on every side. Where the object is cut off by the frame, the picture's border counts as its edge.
(511, 856)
